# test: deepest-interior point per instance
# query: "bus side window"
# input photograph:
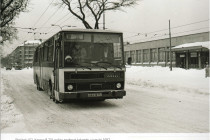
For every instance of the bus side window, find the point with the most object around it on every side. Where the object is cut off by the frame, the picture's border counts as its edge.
(41, 53)
(35, 57)
(45, 52)
(50, 51)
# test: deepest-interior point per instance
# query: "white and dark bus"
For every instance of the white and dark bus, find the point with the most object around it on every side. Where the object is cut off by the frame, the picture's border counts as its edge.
(81, 64)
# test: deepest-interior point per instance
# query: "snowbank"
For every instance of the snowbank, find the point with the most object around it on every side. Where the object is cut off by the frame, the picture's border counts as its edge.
(11, 118)
(178, 79)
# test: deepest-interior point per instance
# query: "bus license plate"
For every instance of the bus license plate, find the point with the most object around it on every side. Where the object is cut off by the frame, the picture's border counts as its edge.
(94, 94)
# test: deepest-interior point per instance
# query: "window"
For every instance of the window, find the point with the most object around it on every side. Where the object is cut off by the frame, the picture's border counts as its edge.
(50, 50)
(138, 56)
(161, 54)
(173, 56)
(153, 55)
(146, 55)
(167, 55)
(50, 53)
(133, 56)
(36, 56)
(45, 53)
(41, 53)
(117, 50)
(127, 55)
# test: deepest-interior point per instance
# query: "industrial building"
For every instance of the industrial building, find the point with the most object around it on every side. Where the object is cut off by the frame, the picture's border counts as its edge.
(156, 52)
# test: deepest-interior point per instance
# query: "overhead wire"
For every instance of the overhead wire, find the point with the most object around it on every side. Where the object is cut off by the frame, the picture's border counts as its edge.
(167, 29)
(40, 17)
(173, 34)
(63, 21)
(43, 13)
(50, 17)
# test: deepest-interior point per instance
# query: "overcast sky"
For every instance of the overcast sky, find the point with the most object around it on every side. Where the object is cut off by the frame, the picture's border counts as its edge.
(138, 23)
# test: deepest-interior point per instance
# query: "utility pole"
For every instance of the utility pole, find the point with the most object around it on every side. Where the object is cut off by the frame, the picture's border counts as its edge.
(104, 20)
(170, 45)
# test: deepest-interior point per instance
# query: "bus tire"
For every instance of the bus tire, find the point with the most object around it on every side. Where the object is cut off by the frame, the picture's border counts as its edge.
(52, 95)
(37, 84)
(49, 89)
(56, 101)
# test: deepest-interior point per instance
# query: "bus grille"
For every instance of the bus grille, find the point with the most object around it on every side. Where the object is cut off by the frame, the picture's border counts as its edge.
(94, 86)
(84, 75)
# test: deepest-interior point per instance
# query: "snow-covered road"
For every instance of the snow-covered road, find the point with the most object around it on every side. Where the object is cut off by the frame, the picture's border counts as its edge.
(144, 109)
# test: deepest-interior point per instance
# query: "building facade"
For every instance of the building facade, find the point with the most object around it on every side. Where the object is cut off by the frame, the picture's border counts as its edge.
(156, 52)
(22, 56)
(192, 55)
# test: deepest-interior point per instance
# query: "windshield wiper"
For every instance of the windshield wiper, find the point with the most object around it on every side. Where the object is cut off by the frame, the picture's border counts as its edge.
(95, 64)
(109, 64)
(83, 66)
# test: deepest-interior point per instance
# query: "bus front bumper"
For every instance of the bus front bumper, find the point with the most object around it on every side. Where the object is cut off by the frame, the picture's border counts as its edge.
(93, 95)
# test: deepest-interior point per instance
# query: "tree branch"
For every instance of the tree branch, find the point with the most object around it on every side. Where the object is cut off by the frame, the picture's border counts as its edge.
(96, 8)
(75, 14)
(6, 6)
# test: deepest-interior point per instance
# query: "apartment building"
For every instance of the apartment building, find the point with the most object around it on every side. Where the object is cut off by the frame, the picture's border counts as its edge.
(22, 56)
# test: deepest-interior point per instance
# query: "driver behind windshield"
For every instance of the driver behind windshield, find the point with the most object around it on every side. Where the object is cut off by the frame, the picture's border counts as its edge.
(75, 53)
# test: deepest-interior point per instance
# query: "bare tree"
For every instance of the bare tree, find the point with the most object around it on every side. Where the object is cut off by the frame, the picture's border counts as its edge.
(9, 9)
(84, 9)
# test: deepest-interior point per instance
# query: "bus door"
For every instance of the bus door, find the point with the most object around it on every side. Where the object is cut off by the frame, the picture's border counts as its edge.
(39, 65)
(41, 68)
(56, 69)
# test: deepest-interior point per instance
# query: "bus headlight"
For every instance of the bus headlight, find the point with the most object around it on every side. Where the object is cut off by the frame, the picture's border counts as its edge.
(118, 85)
(70, 87)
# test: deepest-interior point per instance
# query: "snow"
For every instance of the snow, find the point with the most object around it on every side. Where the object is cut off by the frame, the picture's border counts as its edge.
(33, 42)
(196, 44)
(29, 42)
(10, 116)
(178, 79)
(169, 101)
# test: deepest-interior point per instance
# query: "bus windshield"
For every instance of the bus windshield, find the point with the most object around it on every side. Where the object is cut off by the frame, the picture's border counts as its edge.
(103, 49)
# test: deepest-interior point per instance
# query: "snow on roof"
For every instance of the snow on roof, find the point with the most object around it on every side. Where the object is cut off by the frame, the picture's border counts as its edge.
(32, 42)
(196, 44)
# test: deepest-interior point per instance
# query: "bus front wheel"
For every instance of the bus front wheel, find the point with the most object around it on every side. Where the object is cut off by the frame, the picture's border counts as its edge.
(51, 91)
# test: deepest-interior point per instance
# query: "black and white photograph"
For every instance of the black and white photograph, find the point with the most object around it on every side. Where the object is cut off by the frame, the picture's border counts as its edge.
(104, 69)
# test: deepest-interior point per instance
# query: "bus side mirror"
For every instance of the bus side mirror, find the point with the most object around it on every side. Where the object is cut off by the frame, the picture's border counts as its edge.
(58, 44)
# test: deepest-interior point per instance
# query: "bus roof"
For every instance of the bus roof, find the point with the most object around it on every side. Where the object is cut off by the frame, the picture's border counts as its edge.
(86, 31)
(91, 31)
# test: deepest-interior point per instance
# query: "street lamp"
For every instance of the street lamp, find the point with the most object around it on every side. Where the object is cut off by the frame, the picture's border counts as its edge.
(62, 26)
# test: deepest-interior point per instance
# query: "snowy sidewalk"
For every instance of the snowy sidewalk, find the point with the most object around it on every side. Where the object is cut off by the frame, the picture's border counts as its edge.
(178, 79)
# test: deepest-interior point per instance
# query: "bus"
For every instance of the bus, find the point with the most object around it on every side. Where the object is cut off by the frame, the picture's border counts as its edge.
(81, 64)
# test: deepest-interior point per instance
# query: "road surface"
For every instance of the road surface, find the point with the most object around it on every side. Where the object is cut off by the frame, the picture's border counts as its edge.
(142, 110)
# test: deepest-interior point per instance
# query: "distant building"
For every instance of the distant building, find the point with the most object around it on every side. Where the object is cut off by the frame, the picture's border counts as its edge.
(22, 56)
(156, 52)
(192, 55)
